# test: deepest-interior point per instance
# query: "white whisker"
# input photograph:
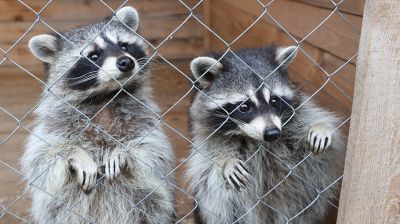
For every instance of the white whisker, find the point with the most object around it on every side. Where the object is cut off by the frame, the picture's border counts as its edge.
(89, 73)
(84, 80)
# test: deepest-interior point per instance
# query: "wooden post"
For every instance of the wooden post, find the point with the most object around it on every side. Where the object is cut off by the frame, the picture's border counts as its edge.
(371, 184)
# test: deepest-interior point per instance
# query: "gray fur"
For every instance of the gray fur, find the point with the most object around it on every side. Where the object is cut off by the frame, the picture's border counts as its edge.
(219, 202)
(63, 136)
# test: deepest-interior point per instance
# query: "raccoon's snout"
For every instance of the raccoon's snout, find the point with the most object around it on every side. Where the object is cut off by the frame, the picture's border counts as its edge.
(271, 134)
(125, 64)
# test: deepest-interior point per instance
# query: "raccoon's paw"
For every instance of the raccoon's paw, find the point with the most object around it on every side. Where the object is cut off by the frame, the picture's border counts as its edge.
(84, 168)
(114, 164)
(319, 138)
(237, 174)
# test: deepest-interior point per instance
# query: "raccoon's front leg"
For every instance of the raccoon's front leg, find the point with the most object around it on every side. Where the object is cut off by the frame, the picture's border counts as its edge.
(319, 138)
(237, 174)
(84, 168)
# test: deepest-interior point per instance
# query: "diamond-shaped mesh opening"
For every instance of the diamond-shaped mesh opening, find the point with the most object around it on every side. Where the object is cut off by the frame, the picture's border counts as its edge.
(19, 210)
(12, 193)
(345, 32)
(325, 34)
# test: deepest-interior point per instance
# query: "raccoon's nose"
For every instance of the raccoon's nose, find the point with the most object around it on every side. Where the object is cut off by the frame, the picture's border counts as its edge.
(271, 134)
(125, 64)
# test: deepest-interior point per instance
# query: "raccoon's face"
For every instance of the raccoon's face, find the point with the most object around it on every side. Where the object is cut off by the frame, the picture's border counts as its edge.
(238, 100)
(93, 58)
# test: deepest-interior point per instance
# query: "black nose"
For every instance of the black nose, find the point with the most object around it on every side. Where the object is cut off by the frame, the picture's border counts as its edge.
(125, 64)
(271, 134)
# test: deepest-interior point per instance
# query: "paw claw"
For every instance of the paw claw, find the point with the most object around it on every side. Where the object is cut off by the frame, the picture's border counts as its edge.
(237, 174)
(114, 165)
(319, 138)
(85, 170)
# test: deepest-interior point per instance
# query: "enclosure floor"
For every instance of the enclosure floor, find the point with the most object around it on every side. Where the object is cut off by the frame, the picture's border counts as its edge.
(20, 92)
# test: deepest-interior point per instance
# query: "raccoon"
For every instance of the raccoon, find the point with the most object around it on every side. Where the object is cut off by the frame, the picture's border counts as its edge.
(97, 153)
(263, 151)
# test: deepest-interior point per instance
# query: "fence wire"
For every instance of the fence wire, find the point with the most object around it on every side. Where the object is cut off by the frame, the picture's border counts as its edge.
(6, 208)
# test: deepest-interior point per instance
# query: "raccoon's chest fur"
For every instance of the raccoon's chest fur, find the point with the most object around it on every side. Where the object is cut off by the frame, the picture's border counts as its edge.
(282, 177)
(108, 127)
(99, 128)
(104, 119)
(270, 162)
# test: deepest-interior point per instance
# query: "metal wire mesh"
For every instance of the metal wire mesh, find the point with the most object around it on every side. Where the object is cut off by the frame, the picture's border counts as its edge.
(6, 208)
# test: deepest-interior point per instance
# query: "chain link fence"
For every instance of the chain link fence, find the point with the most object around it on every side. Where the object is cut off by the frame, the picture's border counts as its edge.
(6, 208)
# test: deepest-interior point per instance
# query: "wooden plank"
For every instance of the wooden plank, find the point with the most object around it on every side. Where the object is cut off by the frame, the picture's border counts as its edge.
(86, 10)
(371, 184)
(335, 36)
(355, 7)
(181, 49)
(150, 28)
(302, 71)
(207, 20)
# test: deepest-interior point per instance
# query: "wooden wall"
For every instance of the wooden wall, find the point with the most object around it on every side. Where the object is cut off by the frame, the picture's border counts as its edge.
(158, 18)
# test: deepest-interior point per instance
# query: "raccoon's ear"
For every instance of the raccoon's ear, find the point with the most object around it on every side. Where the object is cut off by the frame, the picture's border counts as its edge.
(44, 47)
(285, 55)
(129, 16)
(200, 65)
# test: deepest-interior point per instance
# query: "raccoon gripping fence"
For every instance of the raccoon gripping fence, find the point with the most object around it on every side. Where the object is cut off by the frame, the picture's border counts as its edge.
(216, 181)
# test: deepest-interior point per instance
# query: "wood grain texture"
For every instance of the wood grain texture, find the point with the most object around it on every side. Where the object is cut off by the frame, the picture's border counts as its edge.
(160, 28)
(158, 19)
(334, 36)
(355, 7)
(86, 9)
(207, 20)
(371, 185)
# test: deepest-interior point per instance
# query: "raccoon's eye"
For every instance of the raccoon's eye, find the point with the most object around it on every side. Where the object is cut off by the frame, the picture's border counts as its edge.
(244, 108)
(94, 56)
(124, 46)
(274, 102)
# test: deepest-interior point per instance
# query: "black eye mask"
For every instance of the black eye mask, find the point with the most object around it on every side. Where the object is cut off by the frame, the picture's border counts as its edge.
(83, 75)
